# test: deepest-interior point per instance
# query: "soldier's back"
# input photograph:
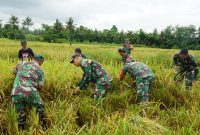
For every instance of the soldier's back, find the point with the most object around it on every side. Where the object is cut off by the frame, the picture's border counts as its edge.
(139, 70)
(28, 70)
(97, 71)
(26, 79)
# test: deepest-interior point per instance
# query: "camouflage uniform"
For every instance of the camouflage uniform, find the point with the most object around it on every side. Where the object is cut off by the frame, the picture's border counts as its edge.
(187, 68)
(24, 93)
(143, 76)
(94, 72)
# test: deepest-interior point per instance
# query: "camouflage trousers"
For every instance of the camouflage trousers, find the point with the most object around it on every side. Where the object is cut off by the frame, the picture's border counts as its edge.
(21, 104)
(143, 88)
(189, 77)
(101, 88)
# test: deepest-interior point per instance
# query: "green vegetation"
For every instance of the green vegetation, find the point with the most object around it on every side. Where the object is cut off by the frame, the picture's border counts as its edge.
(68, 32)
(170, 110)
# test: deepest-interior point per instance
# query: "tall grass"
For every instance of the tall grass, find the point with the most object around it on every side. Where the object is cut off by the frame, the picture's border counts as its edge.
(170, 111)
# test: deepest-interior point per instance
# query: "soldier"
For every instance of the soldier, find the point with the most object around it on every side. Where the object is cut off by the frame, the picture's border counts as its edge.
(93, 72)
(128, 47)
(186, 68)
(143, 76)
(28, 81)
(125, 56)
(25, 54)
(78, 50)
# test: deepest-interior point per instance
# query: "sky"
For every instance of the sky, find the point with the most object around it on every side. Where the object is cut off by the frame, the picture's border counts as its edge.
(102, 14)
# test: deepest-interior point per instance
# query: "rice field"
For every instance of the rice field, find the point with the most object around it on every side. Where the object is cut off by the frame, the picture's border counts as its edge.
(170, 110)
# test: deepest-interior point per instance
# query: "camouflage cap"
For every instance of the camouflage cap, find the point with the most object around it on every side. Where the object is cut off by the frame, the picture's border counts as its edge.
(39, 57)
(121, 50)
(75, 56)
(23, 42)
(184, 51)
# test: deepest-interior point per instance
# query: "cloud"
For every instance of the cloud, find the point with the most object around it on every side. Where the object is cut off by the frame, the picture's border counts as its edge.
(101, 14)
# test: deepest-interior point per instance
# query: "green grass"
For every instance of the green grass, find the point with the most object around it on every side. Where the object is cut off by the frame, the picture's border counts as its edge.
(170, 110)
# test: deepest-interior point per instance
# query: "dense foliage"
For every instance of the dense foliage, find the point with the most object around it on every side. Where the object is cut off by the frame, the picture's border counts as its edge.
(170, 37)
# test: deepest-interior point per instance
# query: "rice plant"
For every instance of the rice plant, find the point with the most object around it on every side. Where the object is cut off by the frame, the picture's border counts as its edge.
(170, 111)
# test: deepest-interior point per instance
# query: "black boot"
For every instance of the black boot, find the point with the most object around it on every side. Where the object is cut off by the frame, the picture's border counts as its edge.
(43, 122)
(21, 120)
(21, 126)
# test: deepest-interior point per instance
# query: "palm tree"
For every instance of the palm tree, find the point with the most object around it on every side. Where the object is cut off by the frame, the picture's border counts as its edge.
(70, 27)
(57, 27)
(13, 21)
(27, 23)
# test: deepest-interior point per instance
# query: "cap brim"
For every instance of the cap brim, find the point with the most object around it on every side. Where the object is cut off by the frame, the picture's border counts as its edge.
(72, 61)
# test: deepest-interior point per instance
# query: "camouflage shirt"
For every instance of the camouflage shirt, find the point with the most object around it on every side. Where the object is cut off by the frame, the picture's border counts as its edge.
(187, 64)
(136, 70)
(29, 76)
(93, 72)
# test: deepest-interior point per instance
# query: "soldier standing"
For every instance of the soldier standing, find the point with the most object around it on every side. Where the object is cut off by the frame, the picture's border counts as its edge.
(186, 67)
(93, 72)
(28, 81)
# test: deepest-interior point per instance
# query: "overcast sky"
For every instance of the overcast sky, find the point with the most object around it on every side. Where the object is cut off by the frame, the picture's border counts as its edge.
(101, 14)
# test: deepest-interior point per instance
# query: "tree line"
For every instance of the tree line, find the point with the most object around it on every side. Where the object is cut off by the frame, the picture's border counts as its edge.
(171, 37)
